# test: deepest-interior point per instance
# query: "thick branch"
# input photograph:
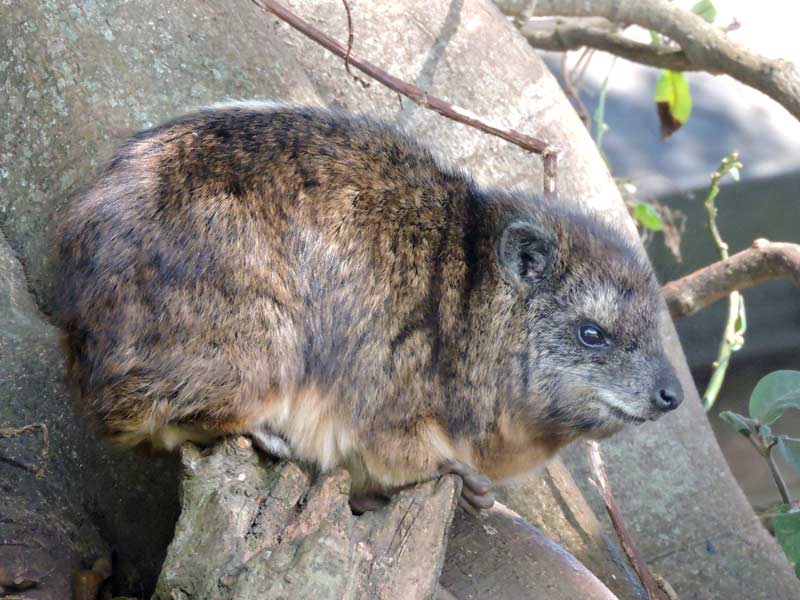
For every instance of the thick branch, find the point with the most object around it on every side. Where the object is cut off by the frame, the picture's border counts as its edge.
(762, 262)
(251, 530)
(561, 35)
(704, 45)
(419, 96)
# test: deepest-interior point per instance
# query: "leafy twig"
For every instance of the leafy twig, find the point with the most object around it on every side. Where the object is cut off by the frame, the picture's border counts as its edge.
(421, 97)
(736, 324)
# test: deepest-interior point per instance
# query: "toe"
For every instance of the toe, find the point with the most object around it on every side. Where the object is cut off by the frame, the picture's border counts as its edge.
(479, 501)
(467, 507)
(478, 483)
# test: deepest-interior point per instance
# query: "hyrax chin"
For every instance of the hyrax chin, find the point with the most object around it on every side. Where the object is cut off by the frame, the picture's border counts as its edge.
(320, 282)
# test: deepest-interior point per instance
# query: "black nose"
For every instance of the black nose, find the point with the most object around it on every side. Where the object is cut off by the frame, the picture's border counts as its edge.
(668, 397)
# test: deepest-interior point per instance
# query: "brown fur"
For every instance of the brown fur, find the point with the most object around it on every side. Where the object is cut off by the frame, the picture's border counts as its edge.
(323, 277)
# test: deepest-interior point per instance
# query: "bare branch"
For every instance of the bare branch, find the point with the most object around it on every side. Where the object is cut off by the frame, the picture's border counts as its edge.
(631, 551)
(762, 262)
(563, 35)
(704, 45)
(419, 96)
(571, 80)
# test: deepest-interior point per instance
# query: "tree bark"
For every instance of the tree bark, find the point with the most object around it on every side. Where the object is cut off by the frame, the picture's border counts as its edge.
(763, 261)
(254, 530)
(562, 35)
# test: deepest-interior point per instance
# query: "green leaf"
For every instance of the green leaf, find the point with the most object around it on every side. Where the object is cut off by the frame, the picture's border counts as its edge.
(655, 38)
(673, 101)
(787, 532)
(673, 89)
(734, 173)
(790, 448)
(647, 215)
(742, 424)
(706, 9)
(773, 394)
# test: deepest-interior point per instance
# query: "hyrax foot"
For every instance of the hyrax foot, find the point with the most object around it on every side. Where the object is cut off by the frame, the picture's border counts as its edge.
(476, 492)
(271, 443)
(366, 502)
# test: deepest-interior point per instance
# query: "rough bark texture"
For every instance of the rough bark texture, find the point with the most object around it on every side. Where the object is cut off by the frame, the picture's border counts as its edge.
(250, 530)
(79, 76)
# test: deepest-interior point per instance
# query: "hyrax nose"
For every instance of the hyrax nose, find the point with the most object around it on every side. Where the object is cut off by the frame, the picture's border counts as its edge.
(668, 396)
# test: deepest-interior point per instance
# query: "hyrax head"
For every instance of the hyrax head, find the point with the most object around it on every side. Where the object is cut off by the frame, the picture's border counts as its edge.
(592, 322)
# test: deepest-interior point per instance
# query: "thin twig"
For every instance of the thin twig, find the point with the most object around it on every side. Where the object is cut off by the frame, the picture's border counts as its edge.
(665, 587)
(631, 551)
(783, 490)
(572, 89)
(364, 83)
(736, 324)
(420, 97)
(764, 447)
(763, 261)
(599, 116)
(45, 453)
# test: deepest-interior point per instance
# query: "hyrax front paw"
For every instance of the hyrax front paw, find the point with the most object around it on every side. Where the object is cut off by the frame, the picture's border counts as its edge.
(476, 493)
(271, 443)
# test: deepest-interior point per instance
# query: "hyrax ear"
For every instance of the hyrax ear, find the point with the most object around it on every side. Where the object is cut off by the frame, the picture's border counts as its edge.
(527, 252)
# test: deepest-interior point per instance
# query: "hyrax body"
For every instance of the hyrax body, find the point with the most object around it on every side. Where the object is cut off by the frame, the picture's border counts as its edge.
(322, 280)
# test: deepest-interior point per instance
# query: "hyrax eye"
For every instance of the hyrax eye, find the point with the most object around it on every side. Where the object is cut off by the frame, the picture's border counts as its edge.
(592, 336)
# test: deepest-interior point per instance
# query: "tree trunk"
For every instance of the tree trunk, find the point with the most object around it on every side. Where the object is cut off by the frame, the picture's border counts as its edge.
(79, 76)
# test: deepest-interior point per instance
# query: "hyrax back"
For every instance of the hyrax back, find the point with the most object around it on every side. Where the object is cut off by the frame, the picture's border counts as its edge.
(322, 277)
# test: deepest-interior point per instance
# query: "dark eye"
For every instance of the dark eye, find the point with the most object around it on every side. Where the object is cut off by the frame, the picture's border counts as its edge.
(592, 336)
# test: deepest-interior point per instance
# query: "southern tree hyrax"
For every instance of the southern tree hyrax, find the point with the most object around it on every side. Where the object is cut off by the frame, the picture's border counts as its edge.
(321, 282)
